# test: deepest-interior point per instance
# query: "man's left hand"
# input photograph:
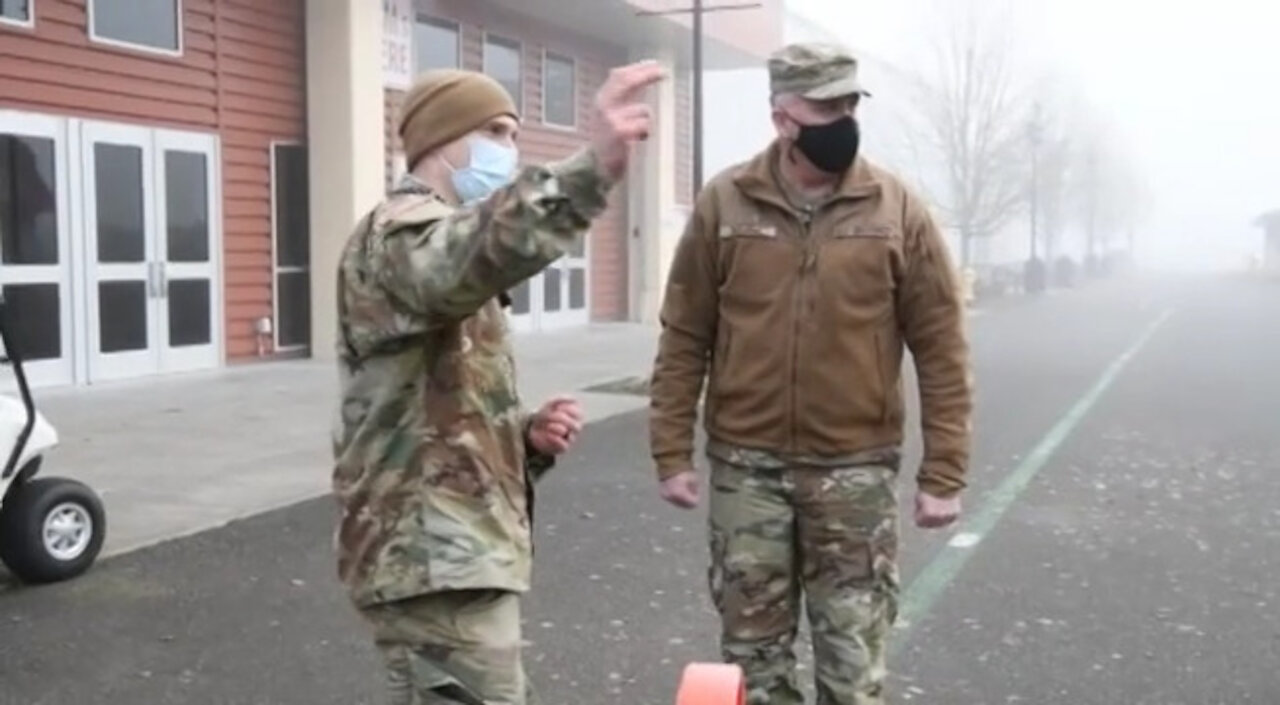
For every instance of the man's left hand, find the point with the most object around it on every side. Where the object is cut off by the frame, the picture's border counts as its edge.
(935, 513)
(555, 427)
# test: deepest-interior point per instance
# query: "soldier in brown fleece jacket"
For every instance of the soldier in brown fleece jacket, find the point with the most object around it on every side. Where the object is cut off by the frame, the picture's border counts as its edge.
(802, 277)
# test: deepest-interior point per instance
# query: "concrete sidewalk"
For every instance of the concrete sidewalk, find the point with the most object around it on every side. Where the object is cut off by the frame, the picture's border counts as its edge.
(176, 456)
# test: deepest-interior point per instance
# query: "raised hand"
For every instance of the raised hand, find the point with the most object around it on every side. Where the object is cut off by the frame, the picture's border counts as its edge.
(622, 116)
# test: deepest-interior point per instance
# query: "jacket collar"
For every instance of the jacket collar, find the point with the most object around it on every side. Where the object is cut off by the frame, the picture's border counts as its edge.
(410, 184)
(756, 179)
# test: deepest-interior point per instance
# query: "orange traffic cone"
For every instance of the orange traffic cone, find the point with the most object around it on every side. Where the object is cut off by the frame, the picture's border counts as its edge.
(712, 684)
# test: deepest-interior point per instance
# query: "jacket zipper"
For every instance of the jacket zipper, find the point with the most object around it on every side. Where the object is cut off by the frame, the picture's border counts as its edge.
(797, 312)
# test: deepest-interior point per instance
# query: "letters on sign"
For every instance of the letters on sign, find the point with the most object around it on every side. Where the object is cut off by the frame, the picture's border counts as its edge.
(398, 167)
(397, 44)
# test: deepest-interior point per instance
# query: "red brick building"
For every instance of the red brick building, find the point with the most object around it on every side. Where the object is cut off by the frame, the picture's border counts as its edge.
(172, 172)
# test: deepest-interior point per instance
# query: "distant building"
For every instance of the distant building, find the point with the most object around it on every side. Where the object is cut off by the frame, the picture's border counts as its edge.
(1270, 224)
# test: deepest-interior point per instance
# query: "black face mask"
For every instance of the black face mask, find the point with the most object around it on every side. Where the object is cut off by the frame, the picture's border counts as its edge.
(831, 147)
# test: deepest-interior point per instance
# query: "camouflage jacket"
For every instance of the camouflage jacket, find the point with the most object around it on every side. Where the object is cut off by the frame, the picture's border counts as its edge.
(431, 469)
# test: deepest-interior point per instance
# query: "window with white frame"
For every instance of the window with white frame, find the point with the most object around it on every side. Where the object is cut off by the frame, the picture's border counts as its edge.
(502, 63)
(291, 227)
(147, 24)
(17, 12)
(559, 90)
(29, 242)
(438, 44)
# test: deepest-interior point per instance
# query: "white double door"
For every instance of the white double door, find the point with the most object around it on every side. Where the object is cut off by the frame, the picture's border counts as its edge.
(151, 264)
(127, 229)
(556, 298)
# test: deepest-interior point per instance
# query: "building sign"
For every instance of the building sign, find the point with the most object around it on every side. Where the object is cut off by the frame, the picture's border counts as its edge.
(397, 44)
(398, 167)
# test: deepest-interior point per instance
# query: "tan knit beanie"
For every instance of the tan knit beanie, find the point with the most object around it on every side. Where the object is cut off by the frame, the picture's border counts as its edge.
(446, 104)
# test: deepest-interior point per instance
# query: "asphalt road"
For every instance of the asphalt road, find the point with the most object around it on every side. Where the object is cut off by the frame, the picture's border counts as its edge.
(1122, 544)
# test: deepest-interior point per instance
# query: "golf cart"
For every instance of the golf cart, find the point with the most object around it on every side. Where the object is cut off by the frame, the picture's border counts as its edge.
(51, 529)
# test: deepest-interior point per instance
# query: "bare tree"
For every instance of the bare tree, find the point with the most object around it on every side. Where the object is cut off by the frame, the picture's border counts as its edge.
(970, 117)
(968, 123)
(1110, 190)
(1059, 162)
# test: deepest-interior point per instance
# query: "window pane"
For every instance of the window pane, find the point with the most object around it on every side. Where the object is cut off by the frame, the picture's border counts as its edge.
(577, 288)
(293, 215)
(35, 320)
(436, 44)
(502, 62)
(186, 188)
(150, 23)
(559, 99)
(579, 248)
(28, 200)
(122, 316)
(118, 185)
(18, 10)
(190, 317)
(520, 299)
(293, 309)
(551, 289)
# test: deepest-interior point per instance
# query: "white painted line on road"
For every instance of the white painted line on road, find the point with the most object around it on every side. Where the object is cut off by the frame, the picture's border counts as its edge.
(966, 539)
(920, 596)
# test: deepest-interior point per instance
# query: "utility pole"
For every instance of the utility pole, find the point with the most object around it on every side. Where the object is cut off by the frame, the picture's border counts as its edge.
(698, 10)
(697, 98)
(1035, 276)
(1034, 135)
(1091, 166)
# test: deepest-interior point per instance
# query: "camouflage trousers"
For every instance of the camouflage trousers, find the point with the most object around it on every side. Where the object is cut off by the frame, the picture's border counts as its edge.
(452, 648)
(828, 536)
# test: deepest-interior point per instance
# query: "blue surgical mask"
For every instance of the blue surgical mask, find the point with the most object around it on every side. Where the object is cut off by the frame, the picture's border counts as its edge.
(491, 167)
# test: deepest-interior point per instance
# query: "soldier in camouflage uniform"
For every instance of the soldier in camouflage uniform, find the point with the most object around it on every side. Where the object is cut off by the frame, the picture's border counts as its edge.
(801, 278)
(435, 456)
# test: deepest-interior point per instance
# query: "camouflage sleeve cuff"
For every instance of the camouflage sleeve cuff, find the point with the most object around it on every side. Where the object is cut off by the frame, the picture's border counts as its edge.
(582, 184)
(536, 462)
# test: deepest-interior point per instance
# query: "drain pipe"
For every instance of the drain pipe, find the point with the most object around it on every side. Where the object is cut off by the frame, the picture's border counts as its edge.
(264, 330)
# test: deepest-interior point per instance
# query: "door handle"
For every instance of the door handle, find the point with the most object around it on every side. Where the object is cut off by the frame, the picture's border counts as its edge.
(153, 289)
(157, 280)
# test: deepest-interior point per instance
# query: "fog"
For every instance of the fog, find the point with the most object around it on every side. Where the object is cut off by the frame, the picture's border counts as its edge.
(1184, 95)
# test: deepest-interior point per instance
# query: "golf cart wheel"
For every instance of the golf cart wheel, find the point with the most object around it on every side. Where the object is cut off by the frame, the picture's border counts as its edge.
(51, 529)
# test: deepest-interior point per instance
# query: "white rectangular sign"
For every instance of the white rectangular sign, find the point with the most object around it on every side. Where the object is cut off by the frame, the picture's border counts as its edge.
(398, 168)
(397, 44)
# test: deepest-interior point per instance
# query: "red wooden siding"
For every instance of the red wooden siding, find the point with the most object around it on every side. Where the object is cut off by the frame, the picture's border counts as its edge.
(262, 98)
(241, 75)
(56, 68)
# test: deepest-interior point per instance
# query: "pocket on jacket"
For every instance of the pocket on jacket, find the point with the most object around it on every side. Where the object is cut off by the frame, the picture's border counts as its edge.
(756, 270)
(882, 378)
(723, 336)
(855, 277)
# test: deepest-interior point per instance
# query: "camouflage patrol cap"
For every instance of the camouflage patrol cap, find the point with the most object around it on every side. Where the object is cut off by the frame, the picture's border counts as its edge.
(815, 71)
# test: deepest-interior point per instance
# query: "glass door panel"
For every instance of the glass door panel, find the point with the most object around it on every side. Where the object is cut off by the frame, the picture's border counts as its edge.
(122, 279)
